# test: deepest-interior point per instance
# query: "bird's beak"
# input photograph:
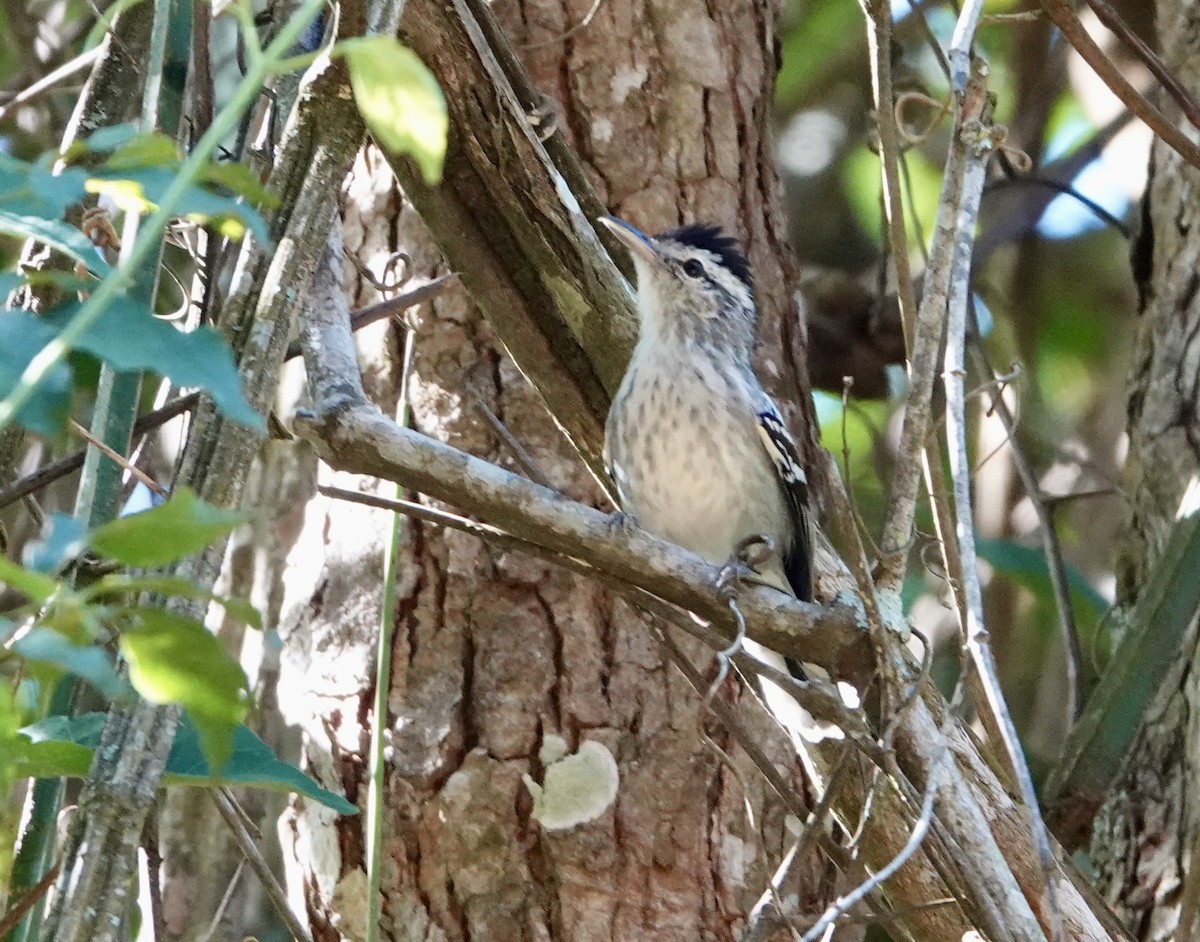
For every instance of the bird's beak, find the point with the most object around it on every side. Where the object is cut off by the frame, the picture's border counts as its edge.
(635, 240)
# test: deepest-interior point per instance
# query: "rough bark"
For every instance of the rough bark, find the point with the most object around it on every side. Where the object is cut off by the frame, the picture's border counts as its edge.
(494, 651)
(1145, 834)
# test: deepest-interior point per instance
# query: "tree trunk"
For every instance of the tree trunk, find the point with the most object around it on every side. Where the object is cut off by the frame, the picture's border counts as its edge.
(1144, 841)
(495, 653)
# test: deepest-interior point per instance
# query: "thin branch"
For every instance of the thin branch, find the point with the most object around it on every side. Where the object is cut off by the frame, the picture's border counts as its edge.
(844, 904)
(519, 452)
(154, 862)
(1051, 547)
(226, 899)
(392, 307)
(982, 139)
(569, 32)
(971, 102)
(253, 856)
(1173, 87)
(46, 82)
(117, 457)
(351, 434)
(1064, 18)
(17, 911)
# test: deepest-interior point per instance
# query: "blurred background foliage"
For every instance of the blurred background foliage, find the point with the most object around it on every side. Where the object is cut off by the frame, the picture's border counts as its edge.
(1055, 296)
(1055, 304)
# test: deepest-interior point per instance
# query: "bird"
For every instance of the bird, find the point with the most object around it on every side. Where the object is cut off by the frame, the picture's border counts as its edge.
(696, 449)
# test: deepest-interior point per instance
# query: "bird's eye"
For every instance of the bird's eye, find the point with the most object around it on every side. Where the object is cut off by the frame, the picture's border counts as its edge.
(693, 268)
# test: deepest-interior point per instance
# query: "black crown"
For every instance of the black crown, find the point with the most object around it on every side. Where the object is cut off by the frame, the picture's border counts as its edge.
(714, 239)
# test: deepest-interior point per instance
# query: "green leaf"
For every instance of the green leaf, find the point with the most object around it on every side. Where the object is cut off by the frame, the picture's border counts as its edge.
(58, 235)
(22, 337)
(59, 746)
(33, 584)
(1028, 566)
(252, 764)
(90, 662)
(400, 100)
(108, 139)
(36, 190)
(154, 149)
(176, 586)
(64, 746)
(128, 337)
(63, 539)
(51, 758)
(175, 659)
(140, 188)
(183, 525)
(240, 179)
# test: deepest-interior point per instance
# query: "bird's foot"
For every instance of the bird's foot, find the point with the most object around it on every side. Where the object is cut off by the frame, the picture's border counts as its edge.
(743, 563)
(622, 524)
(544, 117)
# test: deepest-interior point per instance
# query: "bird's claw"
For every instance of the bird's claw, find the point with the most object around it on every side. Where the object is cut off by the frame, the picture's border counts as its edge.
(742, 565)
(544, 117)
(621, 523)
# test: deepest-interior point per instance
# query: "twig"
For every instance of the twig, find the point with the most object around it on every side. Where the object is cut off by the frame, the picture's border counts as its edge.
(722, 657)
(392, 306)
(120, 459)
(154, 863)
(226, 899)
(925, 338)
(276, 893)
(758, 924)
(64, 71)
(879, 41)
(1066, 189)
(518, 451)
(960, 46)
(1051, 548)
(1176, 89)
(569, 32)
(729, 720)
(17, 911)
(751, 747)
(1068, 23)
(1021, 219)
(55, 470)
(981, 141)
(843, 905)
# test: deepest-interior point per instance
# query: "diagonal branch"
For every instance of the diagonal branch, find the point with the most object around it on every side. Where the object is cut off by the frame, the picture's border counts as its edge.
(1064, 18)
(1166, 78)
(977, 847)
(352, 435)
(512, 218)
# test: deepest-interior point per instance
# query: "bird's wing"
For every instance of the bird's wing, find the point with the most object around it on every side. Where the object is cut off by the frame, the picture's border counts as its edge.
(797, 558)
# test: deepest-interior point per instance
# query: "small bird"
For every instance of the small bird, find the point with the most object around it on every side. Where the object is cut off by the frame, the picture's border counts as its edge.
(696, 448)
(694, 445)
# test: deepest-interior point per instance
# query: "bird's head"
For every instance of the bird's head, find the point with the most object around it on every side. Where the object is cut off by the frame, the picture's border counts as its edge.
(693, 284)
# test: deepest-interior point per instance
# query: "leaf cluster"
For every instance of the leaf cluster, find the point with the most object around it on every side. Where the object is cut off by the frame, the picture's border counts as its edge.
(130, 631)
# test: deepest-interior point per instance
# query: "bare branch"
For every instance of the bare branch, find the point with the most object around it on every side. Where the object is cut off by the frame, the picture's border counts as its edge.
(235, 820)
(978, 142)
(1112, 19)
(1051, 547)
(352, 435)
(1064, 18)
